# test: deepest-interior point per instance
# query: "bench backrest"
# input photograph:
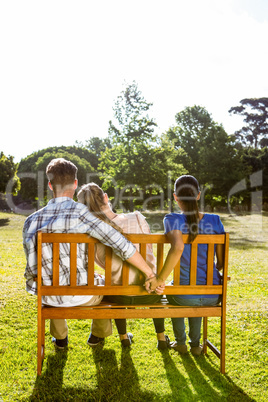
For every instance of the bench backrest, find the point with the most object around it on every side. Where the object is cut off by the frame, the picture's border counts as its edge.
(157, 240)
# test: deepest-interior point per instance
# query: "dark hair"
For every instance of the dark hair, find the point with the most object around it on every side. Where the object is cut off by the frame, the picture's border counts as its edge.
(92, 196)
(187, 189)
(61, 173)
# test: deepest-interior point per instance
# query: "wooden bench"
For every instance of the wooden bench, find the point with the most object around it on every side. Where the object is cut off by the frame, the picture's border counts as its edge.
(111, 310)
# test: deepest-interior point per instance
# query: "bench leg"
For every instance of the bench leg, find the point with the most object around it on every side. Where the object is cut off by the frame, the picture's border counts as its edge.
(205, 334)
(223, 341)
(40, 346)
(220, 354)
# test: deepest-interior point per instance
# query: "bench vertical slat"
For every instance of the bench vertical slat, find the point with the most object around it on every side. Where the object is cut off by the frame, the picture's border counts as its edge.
(210, 263)
(143, 252)
(176, 274)
(193, 266)
(125, 274)
(56, 264)
(73, 263)
(160, 256)
(90, 264)
(108, 266)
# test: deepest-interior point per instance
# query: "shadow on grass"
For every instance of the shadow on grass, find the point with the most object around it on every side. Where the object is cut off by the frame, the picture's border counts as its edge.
(114, 382)
(4, 222)
(48, 386)
(218, 388)
(235, 393)
(244, 243)
(178, 385)
(118, 383)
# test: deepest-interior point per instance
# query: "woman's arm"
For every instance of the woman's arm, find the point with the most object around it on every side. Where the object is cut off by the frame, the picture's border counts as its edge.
(173, 256)
(219, 256)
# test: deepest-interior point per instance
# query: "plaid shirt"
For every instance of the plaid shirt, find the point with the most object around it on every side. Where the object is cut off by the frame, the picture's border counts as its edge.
(63, 215)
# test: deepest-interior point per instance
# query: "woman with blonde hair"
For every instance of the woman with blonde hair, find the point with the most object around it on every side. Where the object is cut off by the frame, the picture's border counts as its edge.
(98, 204)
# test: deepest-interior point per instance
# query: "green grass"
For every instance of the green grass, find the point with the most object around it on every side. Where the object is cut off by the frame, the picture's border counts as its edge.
(142, 373)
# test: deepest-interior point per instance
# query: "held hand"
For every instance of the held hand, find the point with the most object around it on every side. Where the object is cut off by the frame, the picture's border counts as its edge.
(152, 283)
(160, 290)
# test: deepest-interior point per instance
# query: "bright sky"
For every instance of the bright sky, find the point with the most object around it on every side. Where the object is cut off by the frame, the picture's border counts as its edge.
(63, 63)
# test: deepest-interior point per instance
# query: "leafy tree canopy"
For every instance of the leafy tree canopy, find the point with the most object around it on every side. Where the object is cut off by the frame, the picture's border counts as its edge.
(205, 150)
(95, 146)
(256, 160)
(255, 113)
(28, 164)
(8, 170)
(130, 161)
(131, 113)
(33, 168)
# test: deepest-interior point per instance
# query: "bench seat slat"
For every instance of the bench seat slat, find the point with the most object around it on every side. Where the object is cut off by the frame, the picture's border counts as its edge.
(107, 305)
(164, 312)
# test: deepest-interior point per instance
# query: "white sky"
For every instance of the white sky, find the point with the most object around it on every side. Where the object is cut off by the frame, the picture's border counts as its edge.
(63, 63)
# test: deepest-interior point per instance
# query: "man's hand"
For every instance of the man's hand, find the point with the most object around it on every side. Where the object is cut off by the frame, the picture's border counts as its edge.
(154, 283)
(148, 283)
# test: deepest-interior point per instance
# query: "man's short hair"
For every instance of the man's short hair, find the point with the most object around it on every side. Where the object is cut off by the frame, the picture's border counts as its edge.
(61, 172)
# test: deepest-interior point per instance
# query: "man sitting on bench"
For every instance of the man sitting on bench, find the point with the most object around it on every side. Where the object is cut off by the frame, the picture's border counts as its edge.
(63, 215)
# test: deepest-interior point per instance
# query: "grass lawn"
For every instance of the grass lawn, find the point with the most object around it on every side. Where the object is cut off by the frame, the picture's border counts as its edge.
(142, 373)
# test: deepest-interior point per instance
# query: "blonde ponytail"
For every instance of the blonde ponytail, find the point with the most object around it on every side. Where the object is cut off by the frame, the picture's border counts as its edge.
(92, 196)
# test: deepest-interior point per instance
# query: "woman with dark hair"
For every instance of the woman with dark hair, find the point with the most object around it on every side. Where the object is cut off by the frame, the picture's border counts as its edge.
(191, 221)
(98, 204)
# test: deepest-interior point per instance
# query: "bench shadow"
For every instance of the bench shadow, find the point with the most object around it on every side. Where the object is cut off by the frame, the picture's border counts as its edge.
(48, 386)
(236, 393)
(199, 369)
(242, 243)
(4, 222)
(180, 391)
(119, 381)
(113, 380)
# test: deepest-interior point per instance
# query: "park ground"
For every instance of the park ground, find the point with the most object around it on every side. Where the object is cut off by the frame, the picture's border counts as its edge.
(142, 373)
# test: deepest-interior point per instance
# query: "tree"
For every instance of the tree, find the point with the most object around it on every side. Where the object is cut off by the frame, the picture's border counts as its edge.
(255, 111)
(256, 161)
(128, 162)
(8, 169)
(206, 151)
(95, 146)
(32, 169)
